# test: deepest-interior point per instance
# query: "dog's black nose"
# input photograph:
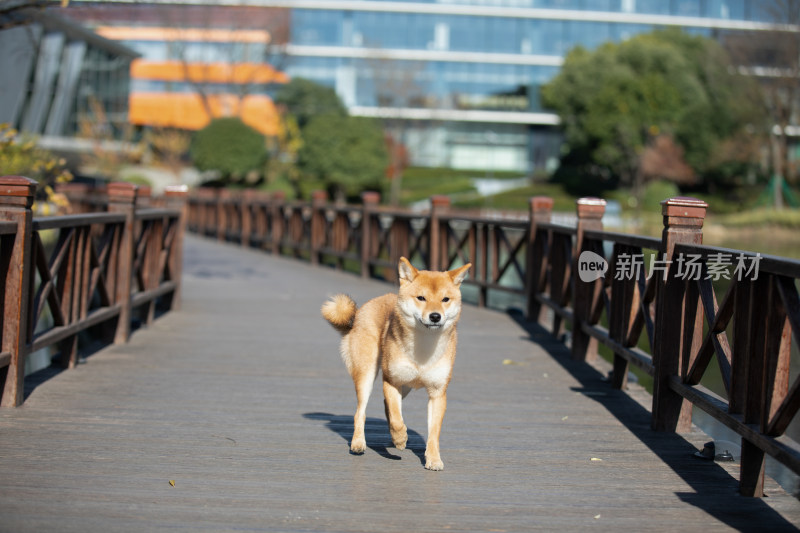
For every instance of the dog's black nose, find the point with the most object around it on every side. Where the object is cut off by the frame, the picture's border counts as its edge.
(435, 317)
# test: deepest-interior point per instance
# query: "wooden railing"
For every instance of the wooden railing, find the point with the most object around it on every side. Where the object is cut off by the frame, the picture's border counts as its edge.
(65, 274)
(645, 308)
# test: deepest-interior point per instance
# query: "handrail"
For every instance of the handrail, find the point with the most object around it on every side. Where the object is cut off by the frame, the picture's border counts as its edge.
(65, 221)
(7, 228)
(96, 270)
(650, 319)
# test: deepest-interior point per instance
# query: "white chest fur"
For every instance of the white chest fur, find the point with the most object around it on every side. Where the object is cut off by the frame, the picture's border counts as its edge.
(424, 362)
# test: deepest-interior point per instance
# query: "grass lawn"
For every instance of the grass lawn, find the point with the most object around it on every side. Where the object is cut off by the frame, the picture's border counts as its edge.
(420, 183)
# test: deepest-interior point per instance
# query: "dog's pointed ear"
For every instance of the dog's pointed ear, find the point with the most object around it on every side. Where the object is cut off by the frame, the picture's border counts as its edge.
(406, 270)
(459, 274)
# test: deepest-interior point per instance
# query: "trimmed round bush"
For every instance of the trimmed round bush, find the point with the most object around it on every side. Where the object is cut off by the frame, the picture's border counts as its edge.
(230, 147)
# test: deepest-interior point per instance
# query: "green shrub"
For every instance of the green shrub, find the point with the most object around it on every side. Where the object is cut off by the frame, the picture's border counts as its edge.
(346, 154)
(230, 147)
(280, 184)
(519, 199)
(138, 179)
(657, 191)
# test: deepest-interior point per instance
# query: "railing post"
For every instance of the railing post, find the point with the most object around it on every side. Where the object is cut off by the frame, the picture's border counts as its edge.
(276, 210)
(208, 211)
(76, 195)
(590, 214)
(177, 198)
(762, 303)
(683, 223)
(437, 240)
(16, 199)
(122, 199)
(318, 201)
(540, 211)
(237, 215)
(369, 201)
(248, 198)
(223, 202)
(144, 197)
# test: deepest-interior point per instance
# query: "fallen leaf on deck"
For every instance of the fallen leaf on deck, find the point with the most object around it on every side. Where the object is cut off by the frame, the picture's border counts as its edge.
(564, 418)
(596, 459)
(171, 482)
(596, 517)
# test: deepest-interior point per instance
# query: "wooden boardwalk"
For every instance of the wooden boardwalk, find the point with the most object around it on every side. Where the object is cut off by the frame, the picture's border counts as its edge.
(241, 400)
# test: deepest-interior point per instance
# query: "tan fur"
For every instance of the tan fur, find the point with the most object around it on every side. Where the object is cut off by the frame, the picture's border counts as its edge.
(399, 335)
(340, 312)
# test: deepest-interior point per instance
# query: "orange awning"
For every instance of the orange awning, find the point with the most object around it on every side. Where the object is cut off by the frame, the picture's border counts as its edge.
(240, 73)
(150, 33)
(186, 110)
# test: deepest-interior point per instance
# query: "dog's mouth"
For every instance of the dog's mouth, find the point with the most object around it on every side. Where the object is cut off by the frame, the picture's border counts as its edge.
(432, 325)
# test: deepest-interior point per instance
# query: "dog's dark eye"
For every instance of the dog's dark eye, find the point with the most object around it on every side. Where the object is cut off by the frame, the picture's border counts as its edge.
(421, 298)
(445, 299)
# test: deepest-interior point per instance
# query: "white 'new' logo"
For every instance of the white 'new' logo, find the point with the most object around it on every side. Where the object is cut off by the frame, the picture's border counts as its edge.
(591, 266)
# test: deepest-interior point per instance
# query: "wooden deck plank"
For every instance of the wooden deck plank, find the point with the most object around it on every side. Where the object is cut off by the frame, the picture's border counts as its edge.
(241, 399)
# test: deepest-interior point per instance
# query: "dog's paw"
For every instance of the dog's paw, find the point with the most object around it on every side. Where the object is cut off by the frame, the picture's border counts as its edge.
(358, 446)
(434, 464)
(400, 440)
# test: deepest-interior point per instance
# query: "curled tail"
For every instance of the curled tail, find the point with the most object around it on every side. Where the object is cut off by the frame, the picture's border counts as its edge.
(340, 311)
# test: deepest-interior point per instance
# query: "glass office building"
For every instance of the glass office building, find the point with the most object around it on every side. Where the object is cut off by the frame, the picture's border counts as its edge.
(56, 74)
(457, 81)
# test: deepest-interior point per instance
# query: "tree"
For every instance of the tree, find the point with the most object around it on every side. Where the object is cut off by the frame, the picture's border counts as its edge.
(168, 147)
(282, 173)
(230, 147)
(249, 55)
(21, 155)
(660, 93)
(347, 154)
(306, 99)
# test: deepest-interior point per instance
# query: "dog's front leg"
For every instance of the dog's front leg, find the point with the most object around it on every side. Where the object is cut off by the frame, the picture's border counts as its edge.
(437, 404)
(392, 402)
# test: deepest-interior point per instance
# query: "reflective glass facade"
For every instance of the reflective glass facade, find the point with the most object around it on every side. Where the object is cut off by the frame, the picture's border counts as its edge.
(457, 81)
(56, 75)
(460, 79)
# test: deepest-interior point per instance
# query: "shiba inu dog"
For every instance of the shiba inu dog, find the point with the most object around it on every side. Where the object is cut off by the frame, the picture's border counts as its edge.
(411, 337)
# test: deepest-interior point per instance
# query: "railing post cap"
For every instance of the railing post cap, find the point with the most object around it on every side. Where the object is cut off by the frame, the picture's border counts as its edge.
(370, 197)
(541, 203)
(278, 195)
(122, 191)
(17, 186)
(440, 200)
(17, 190)
(319, 196)
(590, 207)
(176, 190)
(684, 206)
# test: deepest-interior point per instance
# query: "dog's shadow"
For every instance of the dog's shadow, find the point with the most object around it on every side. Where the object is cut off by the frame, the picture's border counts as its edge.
(376, 432)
